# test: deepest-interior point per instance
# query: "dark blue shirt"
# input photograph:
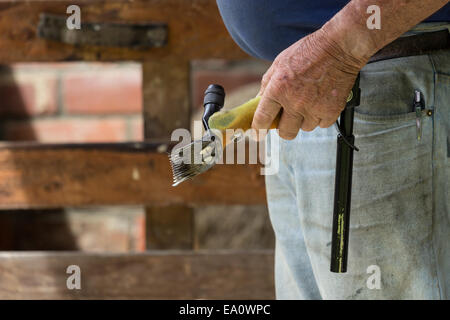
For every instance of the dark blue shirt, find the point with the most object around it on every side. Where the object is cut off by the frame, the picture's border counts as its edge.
(264, 28)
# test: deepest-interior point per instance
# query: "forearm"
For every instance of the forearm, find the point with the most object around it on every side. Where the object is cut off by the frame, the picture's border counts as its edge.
(348, 29)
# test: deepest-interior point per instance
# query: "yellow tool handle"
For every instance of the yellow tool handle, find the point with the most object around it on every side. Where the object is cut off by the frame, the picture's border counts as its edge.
(240, 117)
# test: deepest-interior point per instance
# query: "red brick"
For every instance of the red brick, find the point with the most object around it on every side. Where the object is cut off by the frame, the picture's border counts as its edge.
(28, 95)
(230, 80)
(66, 130)
(103, 91)
(141, 242)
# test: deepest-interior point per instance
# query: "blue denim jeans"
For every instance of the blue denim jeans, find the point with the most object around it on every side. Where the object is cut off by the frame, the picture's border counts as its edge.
(400, 198)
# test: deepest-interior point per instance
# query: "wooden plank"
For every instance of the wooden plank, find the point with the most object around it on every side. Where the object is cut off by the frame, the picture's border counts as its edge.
(53, 176)
(196, 30)
(153, 275)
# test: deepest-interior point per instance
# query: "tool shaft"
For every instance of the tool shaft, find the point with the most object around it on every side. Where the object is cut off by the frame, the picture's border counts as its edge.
(343, 185)
(342, 196)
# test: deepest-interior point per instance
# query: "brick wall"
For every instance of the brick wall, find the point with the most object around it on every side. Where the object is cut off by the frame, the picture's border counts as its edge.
(94, 102)
(71, 102)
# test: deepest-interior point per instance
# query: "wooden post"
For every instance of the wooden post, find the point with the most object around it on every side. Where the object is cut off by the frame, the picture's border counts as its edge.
(166, 97)
(166, 108)
(170, 227)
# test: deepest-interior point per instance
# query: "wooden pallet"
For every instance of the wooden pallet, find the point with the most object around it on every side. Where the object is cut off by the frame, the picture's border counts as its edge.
(50, 176)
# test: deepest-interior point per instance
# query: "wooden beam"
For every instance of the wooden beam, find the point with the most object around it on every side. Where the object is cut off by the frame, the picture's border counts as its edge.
(166, 108)
(153, 275)
(195, 28)
(53, 176)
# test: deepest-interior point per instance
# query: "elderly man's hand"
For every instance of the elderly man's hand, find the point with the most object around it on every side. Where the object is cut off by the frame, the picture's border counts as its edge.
(309, 82)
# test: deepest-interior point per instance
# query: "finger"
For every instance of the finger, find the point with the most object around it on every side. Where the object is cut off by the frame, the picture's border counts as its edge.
(289, 125)
(265, 113)
(309, 123)
(325, 123)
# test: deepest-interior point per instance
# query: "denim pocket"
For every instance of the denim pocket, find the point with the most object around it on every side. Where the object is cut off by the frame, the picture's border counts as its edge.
(388, 89)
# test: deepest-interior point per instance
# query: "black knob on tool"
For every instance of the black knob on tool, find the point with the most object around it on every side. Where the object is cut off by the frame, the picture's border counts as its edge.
(212, 102)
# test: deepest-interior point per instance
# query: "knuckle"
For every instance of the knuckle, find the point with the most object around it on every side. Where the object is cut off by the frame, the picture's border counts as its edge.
(265, 78)
(294, 112)
(310, 123)
(335, 108)
(282, 81)
(284, 77)
(328, 113)
(261, 117)
(277, 89)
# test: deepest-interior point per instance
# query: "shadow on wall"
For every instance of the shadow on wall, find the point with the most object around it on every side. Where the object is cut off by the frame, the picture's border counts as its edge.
(28, 229)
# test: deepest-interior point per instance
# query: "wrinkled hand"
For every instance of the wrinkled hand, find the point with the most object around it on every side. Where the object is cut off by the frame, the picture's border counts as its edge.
(309, 83)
